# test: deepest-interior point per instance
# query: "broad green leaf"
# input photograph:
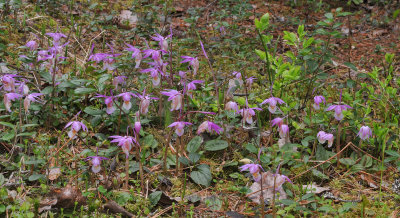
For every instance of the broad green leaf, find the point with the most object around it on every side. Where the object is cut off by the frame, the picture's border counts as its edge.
(347, 161)
(84, 91)
(93, 111)
(194, 144)
(351, 66)
(7, 124)
(35, 177)
(194, 157)
(202, 175)
(27, 134)
(8, 136)
(216, 145)
(155, 197)
(319, 174)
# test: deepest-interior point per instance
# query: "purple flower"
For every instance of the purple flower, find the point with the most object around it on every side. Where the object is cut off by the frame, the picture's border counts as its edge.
(249, 81)
(192, 85)
(138, 126)
(136, 53)
(29, 98)
(125, 142)
(179, 127)
(204, 51)
(154, 73)
(75, 127)
(277, 122)
(283, 131)
(176, 98)
(209, 127)
(119, 80)
(126, 97)
(8, 82)
(162, 41)
(96, 161)
(254, 169)
(323, 137)
(248, 114)
(108, 100)
(10, 97)
(32, 45)
(56, 36)
(339, 108)
(365, 133)
(194, 62)
(144, 102)
(231, 105)
(272, 101)
(318, 100)
(98, 57)
(237, 75)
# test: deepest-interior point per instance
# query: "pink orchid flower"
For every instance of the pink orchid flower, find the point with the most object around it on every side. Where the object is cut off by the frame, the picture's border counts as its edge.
(365, 133)
(144, 102)
(56, 36)
(179, 127)
(248, 113)
(277, 122)
(162, 41)
(32, 45)
(75, 127)
(323, 137)
(108, 100)
(8, 82)
(96, 162)
(154, 73)
(31, 98)
(272, 101)
(317, 101)
(136, 53)
(176, 98)
(138, 126)
(126, 97)
(8, 98)
(125, 142)
(194, 62)
(209, 127)
(119, 80)
(231, 105)
(254, 169)
(284, 131)
(339, 108)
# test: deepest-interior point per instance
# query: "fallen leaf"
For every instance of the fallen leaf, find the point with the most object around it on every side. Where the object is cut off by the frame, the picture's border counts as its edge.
(54, 173)
(314, 188)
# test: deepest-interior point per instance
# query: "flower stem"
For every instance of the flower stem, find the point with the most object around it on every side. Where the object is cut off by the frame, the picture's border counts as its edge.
(126, 172)
(338, 144)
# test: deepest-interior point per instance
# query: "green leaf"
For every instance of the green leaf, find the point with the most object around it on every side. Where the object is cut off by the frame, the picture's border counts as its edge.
(30, 125)
(319, 174)
(347, 161)
(194, 157)
(93, 111)
(356, 168)
(351, 66)
(216, 145)
(27, 134)
(155, 197)
(8, 136)
(84, 91)
(392, 153)
(252, 148)
(2, 179)
(7, 124)
(308, 42)
(261, 54)
(287, 202)
(2, 208)
(35, 177)
(202, 176)
(101, 189)
(366, 161)
(265, 19)
(194, 144)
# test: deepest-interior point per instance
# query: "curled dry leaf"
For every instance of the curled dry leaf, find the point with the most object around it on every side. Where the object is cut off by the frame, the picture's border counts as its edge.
(314, 188)
(54, 173)
(268, 184)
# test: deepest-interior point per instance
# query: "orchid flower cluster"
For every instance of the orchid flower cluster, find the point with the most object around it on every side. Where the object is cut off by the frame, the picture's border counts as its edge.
(14, 90)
